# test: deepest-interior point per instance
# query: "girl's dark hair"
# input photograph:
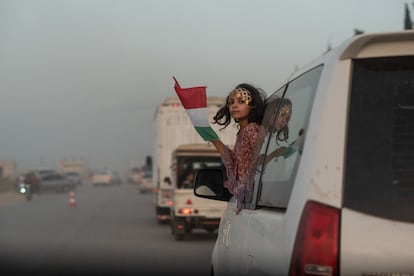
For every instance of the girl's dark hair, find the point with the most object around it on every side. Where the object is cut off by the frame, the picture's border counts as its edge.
(257, 107)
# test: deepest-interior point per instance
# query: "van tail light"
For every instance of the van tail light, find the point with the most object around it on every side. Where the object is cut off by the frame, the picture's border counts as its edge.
(317, 242)
(185, 211)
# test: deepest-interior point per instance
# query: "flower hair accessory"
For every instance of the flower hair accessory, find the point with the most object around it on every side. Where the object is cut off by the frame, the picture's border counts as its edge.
(286, 109)
(241, 94)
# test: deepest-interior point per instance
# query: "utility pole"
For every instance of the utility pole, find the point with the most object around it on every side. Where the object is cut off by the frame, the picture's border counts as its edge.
(408, 23)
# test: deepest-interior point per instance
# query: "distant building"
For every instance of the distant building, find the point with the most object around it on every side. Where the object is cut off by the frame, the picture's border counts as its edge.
(7, 169)
(78, 166)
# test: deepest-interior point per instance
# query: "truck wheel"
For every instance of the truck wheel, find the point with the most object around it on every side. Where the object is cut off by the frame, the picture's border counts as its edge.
(172, 224)
(210, 229)
(188, 230)
(178, 236)
(179, 228)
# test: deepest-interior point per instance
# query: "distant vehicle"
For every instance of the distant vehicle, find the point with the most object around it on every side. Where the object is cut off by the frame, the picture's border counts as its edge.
(35, 176)
(74, 177)
(189, 212)
(43, 172)
(55, 182)
(145, 181)
(24, 188)
(134, 175)
(341, 201)
(106, 177)
(32, 179)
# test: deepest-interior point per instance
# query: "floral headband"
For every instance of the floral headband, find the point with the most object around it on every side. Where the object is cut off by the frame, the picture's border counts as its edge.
(241, 94)
(286, 109)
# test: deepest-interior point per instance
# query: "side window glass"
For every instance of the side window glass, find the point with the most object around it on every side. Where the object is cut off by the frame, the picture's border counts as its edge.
(286, 135)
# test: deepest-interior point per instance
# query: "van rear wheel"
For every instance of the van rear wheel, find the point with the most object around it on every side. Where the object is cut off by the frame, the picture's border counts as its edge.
(211, 230)
(178, 236)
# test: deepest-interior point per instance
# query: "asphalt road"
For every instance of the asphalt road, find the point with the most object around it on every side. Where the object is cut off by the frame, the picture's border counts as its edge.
(111, 231)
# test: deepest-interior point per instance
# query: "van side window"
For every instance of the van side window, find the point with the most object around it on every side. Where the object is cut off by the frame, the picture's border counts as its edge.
(278, 173)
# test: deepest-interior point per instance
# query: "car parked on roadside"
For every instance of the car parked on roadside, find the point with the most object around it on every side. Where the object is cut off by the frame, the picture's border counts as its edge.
(342, 201)
(56, 182)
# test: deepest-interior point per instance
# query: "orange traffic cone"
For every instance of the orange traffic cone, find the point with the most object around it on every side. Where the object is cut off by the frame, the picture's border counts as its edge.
(72, 199)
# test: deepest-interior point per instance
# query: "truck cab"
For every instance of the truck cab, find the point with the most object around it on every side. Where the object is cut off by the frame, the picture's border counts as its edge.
(188, 211)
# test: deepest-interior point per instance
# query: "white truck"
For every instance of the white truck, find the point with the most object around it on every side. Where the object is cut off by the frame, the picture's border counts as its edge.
(173, 128)
(188, 211)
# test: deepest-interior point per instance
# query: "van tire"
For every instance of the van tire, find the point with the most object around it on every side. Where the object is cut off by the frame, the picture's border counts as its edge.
(178, 236)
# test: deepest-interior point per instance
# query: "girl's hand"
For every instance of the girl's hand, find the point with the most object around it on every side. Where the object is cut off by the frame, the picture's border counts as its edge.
(278, 152)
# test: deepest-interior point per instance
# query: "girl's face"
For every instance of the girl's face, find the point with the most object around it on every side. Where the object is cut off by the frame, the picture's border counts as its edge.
(284, 117)
(239, 105)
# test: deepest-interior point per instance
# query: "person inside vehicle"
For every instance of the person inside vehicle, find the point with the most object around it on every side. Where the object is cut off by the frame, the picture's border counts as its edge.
(280, 127)
(188, 181)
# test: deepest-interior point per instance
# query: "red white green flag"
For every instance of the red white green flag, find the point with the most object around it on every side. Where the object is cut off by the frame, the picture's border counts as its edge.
(194, 100)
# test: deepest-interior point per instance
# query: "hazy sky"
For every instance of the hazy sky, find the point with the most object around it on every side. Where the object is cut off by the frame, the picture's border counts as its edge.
(82, 78)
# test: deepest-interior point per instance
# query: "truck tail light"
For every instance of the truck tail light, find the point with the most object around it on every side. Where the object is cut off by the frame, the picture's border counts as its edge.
(185, 211)
(317, 241)
(189, 202)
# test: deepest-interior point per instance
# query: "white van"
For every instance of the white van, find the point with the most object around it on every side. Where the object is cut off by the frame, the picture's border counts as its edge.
(343, 202)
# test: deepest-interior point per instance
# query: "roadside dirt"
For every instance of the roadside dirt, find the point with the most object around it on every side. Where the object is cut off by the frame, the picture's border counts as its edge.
(10, 197)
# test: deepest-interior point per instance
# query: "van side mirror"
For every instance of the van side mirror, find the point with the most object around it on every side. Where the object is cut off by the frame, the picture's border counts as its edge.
(167, 180)
(209, 183)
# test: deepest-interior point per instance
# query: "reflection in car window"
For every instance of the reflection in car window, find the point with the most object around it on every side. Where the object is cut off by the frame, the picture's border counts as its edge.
(278, 172)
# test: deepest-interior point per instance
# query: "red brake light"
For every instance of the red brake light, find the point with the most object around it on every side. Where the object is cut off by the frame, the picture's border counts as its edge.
(317, 241)
(185, 211)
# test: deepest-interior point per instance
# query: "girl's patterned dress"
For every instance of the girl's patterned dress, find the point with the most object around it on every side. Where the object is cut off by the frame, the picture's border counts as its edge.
(240, 162)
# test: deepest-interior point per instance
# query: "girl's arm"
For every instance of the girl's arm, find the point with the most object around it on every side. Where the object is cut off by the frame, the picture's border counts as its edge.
(274, 154)
(220, 147)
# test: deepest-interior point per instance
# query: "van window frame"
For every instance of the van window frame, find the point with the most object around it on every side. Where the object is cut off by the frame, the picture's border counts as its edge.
(283, 93)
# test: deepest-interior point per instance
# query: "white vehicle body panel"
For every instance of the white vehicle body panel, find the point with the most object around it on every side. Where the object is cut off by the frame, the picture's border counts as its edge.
(369, 251)
(201, 208)
(260, 241)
